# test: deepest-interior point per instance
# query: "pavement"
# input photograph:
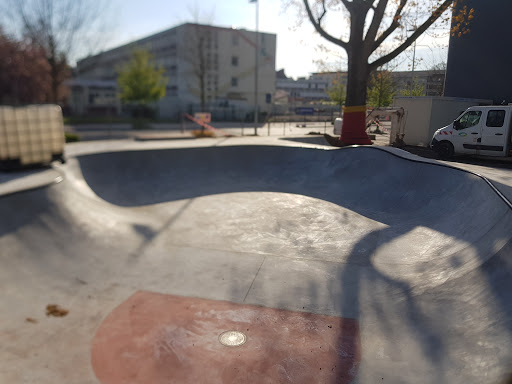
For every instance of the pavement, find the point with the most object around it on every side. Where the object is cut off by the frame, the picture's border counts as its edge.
(351, 265)
(169, 131)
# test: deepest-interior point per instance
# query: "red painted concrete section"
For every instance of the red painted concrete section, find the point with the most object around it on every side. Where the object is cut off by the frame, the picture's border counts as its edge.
(156, 338)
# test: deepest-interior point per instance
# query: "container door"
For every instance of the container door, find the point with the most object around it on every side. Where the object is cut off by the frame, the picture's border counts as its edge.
(466, 135)
(494, 133)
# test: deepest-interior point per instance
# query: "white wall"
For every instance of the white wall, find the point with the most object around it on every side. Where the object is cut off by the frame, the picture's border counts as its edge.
(425, 115)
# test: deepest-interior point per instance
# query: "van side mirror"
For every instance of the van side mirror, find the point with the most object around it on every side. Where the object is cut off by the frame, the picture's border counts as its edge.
(456, 125)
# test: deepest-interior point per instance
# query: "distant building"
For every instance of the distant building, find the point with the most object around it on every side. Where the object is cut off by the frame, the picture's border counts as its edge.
(432, 81)
(303, 90)
(315, 88)
(479, 61)
(201, 61)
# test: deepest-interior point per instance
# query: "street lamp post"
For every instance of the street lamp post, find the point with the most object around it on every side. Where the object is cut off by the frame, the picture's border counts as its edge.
(413, 57)
(414, 60)
(413, 63)
(256, 54)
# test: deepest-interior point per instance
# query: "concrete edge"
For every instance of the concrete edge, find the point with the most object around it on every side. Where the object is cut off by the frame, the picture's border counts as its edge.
(392, 151)
(31, 182)
(418, 159)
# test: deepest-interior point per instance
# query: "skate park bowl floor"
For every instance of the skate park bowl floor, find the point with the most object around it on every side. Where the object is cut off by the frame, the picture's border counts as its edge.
(256, 264)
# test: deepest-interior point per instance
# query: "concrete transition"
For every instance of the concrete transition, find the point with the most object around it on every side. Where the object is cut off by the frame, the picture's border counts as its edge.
(338, 266)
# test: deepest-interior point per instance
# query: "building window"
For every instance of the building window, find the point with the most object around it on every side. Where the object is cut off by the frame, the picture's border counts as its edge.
(172, 90)
(235, 39)
(234, 82)
(234, 61)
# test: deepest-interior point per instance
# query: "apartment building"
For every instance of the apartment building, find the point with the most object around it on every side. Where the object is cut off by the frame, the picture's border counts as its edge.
(312, 89)
(209, 68)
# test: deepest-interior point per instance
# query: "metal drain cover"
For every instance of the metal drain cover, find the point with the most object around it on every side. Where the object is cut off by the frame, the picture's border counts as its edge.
(232, 338)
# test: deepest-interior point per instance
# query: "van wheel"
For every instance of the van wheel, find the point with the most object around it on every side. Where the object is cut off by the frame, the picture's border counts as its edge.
(445, 150)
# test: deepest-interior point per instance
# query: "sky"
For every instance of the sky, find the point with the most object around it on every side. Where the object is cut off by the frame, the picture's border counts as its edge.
(297, 46)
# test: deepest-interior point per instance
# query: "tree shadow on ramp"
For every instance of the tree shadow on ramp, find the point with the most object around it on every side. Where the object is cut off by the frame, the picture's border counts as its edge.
(439, 316)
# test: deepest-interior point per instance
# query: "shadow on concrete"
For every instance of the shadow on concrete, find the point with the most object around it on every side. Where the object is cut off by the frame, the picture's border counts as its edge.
(318, 140)
(460, 327)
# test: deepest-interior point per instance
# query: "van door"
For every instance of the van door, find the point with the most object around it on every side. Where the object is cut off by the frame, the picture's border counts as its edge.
(467, 132)
(494, 133)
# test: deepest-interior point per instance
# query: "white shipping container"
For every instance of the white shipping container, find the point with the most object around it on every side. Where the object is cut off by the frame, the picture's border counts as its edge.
(31, 135)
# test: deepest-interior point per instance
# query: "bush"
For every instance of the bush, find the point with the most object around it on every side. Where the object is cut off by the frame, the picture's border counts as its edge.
(140, 123)
(71, 137)
(75, 120)
(198, 133)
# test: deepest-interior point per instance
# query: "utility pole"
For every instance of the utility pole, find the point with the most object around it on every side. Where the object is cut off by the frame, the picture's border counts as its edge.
(413, 29)
(256, 56)
(413, 62)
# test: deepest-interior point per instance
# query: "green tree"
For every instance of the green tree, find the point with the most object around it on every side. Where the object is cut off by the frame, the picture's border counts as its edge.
(141, 81)
(381, 89)
(416, 89)
(337, 92)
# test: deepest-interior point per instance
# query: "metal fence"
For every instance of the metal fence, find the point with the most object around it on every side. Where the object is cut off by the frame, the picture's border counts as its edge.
(268, 113)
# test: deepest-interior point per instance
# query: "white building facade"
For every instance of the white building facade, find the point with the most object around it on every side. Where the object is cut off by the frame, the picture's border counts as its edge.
(209, 69)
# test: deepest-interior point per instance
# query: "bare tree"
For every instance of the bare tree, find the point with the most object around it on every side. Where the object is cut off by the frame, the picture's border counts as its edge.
(373, 24)
(201, 63)
(58, 27)
(201, 54)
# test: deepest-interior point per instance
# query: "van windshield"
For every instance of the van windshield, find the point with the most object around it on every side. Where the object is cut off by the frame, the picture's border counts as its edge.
(468, 120)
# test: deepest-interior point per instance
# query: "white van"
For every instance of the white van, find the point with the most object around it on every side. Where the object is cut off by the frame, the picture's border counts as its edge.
(477, 131)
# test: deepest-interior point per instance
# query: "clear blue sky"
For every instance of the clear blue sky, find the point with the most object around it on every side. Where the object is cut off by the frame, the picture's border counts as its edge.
(133, 19)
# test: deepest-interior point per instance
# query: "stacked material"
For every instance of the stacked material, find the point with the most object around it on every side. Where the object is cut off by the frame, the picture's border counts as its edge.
(30, 135)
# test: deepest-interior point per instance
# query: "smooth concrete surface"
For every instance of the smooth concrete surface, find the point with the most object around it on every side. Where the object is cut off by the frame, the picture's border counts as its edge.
(419, 255)
(24, 180)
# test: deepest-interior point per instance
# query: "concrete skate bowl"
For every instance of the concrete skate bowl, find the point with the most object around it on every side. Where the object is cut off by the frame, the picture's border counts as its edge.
(417, 254)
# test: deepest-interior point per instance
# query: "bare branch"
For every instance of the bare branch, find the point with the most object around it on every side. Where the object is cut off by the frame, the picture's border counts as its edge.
(323, 13)
(394, 25)
(378, 14)
(419, 31)
(320, 30)
(55, 26)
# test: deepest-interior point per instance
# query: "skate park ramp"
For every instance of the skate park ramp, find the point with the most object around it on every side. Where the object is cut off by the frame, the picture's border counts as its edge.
(407, 263)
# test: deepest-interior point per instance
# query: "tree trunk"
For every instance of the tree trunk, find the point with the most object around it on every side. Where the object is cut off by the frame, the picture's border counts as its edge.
(353, 131)
(55, 82)
(357, 82)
